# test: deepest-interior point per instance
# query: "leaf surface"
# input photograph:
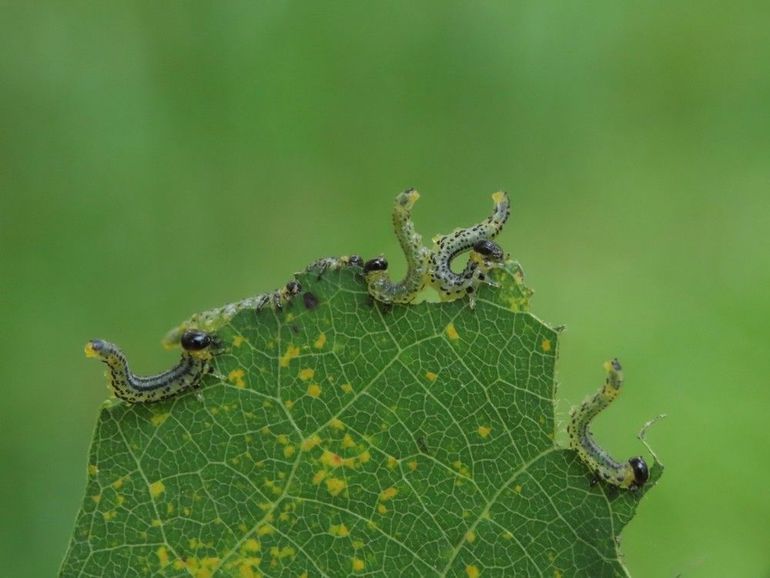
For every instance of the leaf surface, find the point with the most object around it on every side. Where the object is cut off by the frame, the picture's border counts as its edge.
(343, 437)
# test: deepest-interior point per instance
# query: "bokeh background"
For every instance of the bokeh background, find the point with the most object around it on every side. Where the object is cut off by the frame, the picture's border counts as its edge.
(156, 160)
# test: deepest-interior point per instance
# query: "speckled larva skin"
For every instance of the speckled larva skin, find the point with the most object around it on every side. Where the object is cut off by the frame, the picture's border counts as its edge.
(378, 281)
(451, 285)
(213, 319)
(184, 376)
(628, 475)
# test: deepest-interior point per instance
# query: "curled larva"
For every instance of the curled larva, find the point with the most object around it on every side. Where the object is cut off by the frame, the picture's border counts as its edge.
(198, 350)
(378, 281)
(484, 254)
(631, 474)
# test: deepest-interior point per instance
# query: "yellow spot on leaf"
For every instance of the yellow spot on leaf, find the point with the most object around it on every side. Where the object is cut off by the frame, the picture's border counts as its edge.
(288, 451)
(290, 354)
(364, 456)
(337, 424)
(470, 536)
(280, 553)
(392, 463)
(413, 465)
(310, 443)
(451, 332)
(158, 419)
(517, 488)
(238, 340)
(247, 566)
(321, 341)
(264, 530)
(557, 574)
(282, 439)
(162, 556)
(335, 460)
(430, 376)
(358, 565)
(236, 376)
(314, 390)
(97, 498)
(382, 509)
(92, 470)
(346, 388)
(289, 403)
(156, 489)
(319, 477)
(472, 571)
(335, 486)
(109, 515)
(388, 494)
(546, 345)
(347, 441)
(484, 430)
(339, 530)
(117, 484)
(307, 373)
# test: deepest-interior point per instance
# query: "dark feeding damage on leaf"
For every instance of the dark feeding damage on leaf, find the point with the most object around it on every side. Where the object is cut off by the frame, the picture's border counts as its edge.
(346, 438)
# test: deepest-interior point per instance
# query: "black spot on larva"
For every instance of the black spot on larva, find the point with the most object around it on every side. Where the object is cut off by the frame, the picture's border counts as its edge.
(376, 264)
(641, 472)
(194, 340)
(310, 300)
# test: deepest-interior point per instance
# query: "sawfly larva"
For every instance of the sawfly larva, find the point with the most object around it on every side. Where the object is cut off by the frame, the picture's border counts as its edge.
(629, 475)
(184, 376)
(378, 281)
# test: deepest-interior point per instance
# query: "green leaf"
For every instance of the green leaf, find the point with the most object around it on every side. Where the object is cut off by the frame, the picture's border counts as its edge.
(353, 438)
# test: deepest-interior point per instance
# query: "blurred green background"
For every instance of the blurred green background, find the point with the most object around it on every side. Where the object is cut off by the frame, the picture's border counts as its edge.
(159, 160)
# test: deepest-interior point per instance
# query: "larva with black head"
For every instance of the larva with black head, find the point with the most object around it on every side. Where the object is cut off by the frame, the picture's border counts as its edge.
(484, 254)
(198, 351)
(378, 281)
(631, 474)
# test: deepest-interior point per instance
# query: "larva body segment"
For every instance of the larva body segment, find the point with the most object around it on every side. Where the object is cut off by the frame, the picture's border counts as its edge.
(629, 475)
(484, 254)
(184, 376)
(213, 319)
(378, 281)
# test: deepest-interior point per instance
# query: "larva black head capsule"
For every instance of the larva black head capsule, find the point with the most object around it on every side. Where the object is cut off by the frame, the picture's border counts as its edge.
(489, 249)
(194, 340)
(376, 264)
(641, 472)
(293, 287)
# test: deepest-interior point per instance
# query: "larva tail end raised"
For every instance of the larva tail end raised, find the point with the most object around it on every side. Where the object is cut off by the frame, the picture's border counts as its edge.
(614, 373)
(407, 199)
(500, 197)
